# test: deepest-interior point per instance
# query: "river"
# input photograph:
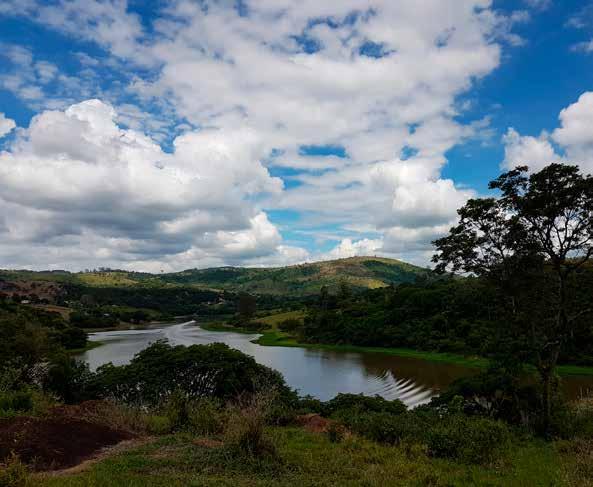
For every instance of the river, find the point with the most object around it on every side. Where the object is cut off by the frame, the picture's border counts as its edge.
(319, 373)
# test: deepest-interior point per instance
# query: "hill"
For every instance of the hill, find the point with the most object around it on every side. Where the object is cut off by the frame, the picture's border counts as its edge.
(303, 279)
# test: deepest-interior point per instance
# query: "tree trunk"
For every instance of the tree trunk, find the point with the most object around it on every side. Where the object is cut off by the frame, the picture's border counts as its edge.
(547, 374)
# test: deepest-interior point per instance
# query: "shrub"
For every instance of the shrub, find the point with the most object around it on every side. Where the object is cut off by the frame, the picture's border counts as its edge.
(245, 428)
(335, 433)
(386, 427)
(289, 325)
(12, 402)
(197, 371)
(26, 399)
(466, 439)
(205, 417)
(310, 404)
(68, 378)
(156, 425)
(13, 473)
(363, 404)
(573, 420)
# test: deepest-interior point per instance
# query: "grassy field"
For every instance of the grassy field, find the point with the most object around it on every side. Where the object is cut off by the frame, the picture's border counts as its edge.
(310, 459)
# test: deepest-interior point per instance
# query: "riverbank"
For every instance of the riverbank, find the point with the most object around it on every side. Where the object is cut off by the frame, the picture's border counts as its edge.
(89, 346)
(276, 338)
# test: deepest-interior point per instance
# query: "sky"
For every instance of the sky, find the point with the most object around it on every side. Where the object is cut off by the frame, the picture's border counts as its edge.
(166, 135)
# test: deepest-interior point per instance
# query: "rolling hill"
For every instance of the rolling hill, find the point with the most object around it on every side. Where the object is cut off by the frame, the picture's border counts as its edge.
(303, 279)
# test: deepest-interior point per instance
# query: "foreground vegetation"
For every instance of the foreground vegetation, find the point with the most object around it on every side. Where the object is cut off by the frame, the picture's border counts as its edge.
(305, 458)
(206, 414)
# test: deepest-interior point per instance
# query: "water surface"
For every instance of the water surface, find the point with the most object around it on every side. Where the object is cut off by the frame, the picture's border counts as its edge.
(320, 373)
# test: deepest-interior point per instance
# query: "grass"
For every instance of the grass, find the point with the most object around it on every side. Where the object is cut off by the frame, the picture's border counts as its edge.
(308, 459)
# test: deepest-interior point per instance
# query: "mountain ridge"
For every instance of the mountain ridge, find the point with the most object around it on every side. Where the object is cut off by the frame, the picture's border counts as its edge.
(299, 279)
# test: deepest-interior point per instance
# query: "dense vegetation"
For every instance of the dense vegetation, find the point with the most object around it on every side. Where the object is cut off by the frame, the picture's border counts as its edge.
(299, 280)
(448, 315)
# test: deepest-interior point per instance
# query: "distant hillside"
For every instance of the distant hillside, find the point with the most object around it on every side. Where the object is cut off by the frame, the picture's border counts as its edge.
(304, 279)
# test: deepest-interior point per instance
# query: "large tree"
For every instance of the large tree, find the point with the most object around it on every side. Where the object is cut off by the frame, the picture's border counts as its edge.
(532, 241)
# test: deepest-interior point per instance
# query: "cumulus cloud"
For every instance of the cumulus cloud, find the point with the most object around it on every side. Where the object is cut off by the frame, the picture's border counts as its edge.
(74, 178)
(376, 80)
(6, 124)
(571, 142)
(349, 248)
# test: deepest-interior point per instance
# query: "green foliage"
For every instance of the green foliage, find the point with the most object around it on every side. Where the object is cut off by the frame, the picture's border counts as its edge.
(290, 325)
(573, 420)
(245, 432)
(475, 440)
(15, 402)
(455, 436)
(205, 417)
(68, 378)
(335, 433)
(496, 393)
(359, 403)
(126, 288)
(14, 473)
(197, 371)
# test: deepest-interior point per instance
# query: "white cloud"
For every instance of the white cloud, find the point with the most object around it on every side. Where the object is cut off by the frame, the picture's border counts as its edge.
(535, 152)
(6, 125)
(573, 138)
(259, 86)
(539, 4)
(75, 179)
(349, 248)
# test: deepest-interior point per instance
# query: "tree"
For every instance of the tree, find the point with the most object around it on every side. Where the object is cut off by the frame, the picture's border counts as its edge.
(246, 306)
(532, 241)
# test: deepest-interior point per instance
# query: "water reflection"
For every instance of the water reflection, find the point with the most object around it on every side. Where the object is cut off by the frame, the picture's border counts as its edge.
(320, 373)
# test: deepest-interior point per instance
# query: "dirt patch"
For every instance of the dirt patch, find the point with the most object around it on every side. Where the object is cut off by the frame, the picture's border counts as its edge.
(314, 423)
(101, 455)
(55, 442)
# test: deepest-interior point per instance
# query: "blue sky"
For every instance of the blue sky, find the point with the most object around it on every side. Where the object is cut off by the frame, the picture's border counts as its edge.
(169, 135)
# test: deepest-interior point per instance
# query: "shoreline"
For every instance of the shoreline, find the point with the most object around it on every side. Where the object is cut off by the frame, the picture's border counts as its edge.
(274, 338)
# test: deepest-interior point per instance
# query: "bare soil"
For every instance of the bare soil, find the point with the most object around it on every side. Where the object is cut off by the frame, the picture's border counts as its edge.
(61, 440)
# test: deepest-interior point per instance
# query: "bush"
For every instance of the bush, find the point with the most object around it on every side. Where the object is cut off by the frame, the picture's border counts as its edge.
(25, 400)
(363, 404)
(157, 425)
(386, 427)
(289, 325)
(205, 417)
(13, 473)
(197, 371)
(310, 404)
(464, 438)
(573, 420)
(69, 379)
(335, 433)
(245, 428)
(14, 402)
(469, 440)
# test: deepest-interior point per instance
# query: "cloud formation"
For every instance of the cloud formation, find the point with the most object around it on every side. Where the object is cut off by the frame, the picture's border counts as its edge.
(6, 125)
(76, 177)
(357, 99)
(571, 142)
